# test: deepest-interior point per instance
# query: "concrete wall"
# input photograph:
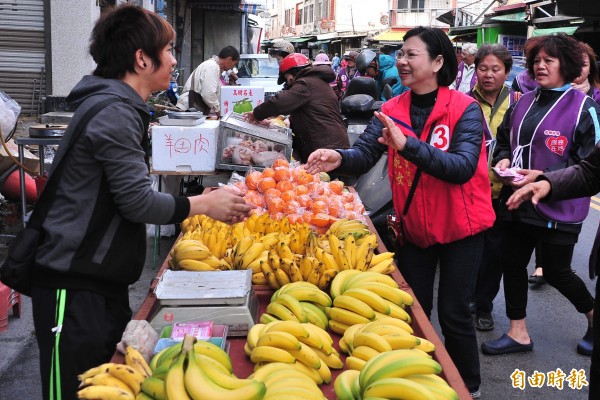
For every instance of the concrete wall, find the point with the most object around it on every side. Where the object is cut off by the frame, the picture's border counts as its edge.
(71, 25)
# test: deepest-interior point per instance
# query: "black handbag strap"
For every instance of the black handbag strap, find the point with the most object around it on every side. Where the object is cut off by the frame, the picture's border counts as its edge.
(47, 196)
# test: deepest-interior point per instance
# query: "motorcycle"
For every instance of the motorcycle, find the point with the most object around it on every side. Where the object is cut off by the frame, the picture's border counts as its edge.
(358, 106)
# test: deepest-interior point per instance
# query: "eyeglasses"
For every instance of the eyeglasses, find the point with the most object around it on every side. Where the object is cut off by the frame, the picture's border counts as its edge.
(408, 57)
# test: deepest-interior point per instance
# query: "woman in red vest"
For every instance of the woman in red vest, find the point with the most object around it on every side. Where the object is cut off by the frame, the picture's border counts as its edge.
(437, 166)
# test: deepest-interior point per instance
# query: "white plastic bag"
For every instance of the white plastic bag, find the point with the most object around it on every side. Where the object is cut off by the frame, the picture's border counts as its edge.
(9, 112)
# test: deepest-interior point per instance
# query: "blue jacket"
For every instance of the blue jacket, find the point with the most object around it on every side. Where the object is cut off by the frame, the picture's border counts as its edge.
(387, 69)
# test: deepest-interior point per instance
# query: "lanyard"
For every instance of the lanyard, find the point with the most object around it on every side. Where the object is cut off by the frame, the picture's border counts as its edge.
(61, 295)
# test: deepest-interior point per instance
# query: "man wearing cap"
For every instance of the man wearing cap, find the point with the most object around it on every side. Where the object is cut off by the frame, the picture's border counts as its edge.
(312, 105)
(281, 49)
(346, 73)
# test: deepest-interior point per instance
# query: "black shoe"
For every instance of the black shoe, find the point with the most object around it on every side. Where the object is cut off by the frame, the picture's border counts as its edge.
(505, 345)
(484, 322)
(586, 344)
(536, 279)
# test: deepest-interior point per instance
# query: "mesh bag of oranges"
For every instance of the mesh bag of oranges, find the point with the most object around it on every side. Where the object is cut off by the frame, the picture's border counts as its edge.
(287, 190)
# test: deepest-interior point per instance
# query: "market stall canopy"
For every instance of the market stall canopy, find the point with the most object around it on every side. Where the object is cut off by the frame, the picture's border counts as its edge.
(392, 35)
(512, 17)
(300, 39)
(569, 30)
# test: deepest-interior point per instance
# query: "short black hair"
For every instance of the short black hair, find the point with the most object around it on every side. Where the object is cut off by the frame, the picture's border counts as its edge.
(437, 43)
(561, 46)
(496, 50)
(120, 32)
(229, 51)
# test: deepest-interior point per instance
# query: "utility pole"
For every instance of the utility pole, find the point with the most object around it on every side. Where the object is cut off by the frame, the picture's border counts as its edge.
(352, 19)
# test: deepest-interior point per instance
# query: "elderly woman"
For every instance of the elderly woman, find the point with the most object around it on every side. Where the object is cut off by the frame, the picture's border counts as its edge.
(492, 66)
(587, 82)
(466, 77)
(550, 128)
(94, 236)
(438, 171)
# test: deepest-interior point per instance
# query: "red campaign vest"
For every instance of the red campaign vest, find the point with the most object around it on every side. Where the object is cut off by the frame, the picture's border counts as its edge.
(440, 212)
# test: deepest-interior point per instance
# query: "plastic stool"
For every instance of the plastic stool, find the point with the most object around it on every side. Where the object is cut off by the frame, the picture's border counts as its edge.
(8, 299)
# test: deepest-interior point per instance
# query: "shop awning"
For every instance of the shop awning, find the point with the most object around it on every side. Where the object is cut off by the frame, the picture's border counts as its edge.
(300, 40)
(392, 35)
(569, 30)
(512, 17)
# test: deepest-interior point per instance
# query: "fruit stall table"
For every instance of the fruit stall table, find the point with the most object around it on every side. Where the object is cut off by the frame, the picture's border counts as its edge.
(243, 366)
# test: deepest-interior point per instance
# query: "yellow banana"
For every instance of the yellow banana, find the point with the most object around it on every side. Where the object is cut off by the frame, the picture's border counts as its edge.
(282, 340)
(355, 305)
(338, 283)
(216, 373)
(127, 374)
(377, 258)
(200, 386)
(399, 388)
(370, 277)
(307, 356)
(325, 278)
(331, 360)
(104, 392)
(334, 245)
(343, 384)
(281, 276)
(387, 320)
(401, 341)
(438, 386)
(294, 328)
(266, 318)
(293, 305)
(324, 371)
(391, 294)
(240, 249)
(280, 311)
(313, 295)
(399, 313)
(105, 379)
(271, 279)
(315, 315)
(325, 342)
(135, 359)
(306, 266)
(349, 335)
(338, 327)
(372, 340)
(426, 346)
(346, 316)
(397, 364)
(215, 352)
(94, 371)
(344, 260)
(253, 252)
(271, 354)
(254, 334)
(350, 249)
(195, 265)
(154, 388)
(385, 267)
(373, 300)
(259, 279)
(355, 363)
(362, 253)
(295, 274)
(284, 250)
(254, 265)
(365, 352)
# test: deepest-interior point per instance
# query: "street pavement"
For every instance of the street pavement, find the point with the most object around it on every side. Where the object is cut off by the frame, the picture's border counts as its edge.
(554, 325)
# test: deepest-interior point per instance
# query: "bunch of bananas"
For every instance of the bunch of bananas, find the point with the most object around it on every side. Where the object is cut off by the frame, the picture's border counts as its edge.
(198, 370)
(344, 227)
(300, 302)
(398, 374)
(305, 346)
(285, 381)
(115, 381)
(212, 233)
(193, 255)
(363, 296)
(364, 341)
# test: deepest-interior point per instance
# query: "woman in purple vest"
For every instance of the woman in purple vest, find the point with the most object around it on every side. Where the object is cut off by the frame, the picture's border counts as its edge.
(549, 128)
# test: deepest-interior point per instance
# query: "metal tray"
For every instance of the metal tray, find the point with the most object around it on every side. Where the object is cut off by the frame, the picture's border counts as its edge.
(184, 114)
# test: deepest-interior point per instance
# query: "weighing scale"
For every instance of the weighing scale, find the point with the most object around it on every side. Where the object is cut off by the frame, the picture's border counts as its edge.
(224, 297)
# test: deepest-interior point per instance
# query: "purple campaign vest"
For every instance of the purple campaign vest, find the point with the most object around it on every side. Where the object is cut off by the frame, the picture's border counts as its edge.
(343, 75)
(459, 76)
(596, 95)
(550, 145)
(526, 83)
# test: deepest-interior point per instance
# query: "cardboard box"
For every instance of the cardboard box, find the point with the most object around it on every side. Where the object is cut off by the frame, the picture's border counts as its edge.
(190, 149)
(232, 94)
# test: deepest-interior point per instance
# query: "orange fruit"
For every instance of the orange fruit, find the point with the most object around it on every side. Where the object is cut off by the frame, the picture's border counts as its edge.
(266, 183)
(303, 177)
(280, 162)
(359, 208)
(307, 216)
(301, 189)
(276, 216)
(268, 173)
(282, 174)
(319, 206)
(255, 198)
(284, 186)
(288, 195)
(252, 179)
(291, 207)
(272, 192)
(295, 218)
(336, 208)
(315, 188)
(305, 201)
(348, 197)
(320, 220)
(274, 204)
(336, 187)
(351, 215)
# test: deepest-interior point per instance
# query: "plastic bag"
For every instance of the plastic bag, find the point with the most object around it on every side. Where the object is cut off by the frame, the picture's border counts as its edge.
(9, 112)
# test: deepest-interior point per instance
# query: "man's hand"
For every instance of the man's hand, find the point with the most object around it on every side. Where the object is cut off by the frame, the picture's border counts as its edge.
(532, 191)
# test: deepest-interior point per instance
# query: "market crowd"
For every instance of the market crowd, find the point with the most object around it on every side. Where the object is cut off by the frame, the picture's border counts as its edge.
(467, 154)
